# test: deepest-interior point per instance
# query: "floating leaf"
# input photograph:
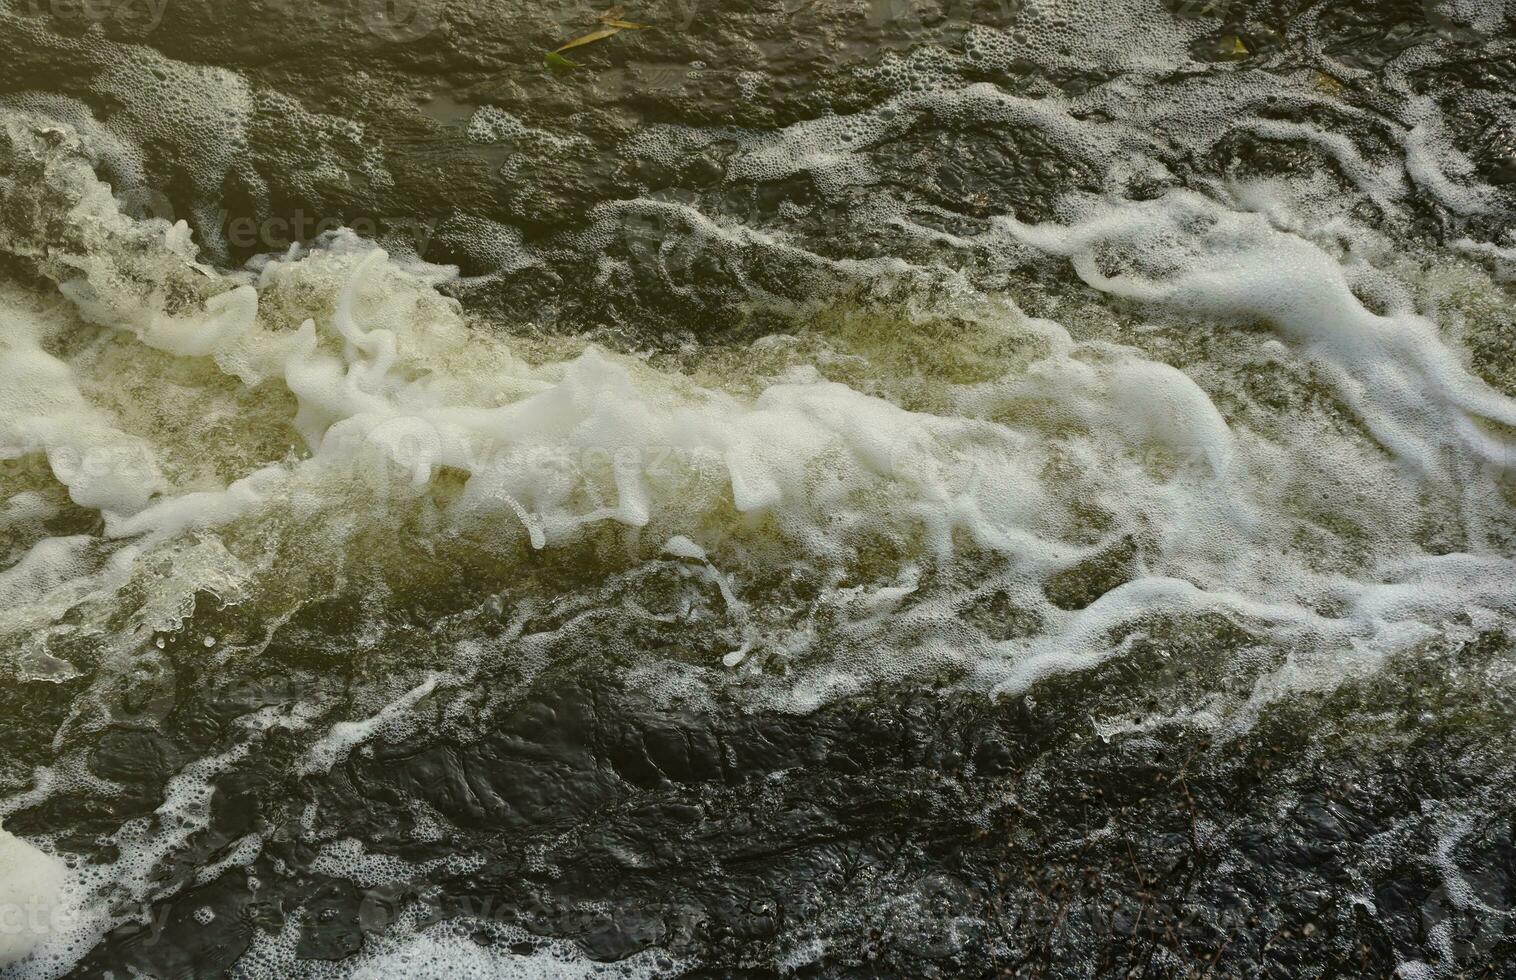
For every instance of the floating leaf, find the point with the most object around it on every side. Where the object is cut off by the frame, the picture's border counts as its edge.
(590, 38)
(613, 25)
(558, 62)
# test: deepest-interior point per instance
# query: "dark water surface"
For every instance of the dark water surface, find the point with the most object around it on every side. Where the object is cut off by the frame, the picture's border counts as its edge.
(842, 489)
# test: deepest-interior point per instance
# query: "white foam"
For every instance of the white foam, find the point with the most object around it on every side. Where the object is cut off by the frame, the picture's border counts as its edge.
(85, 900)
(31, 885)
(389, 391)
(393, 398)
(1393, 370)
(346, 736)
(1347, 526)
(463, 947)
(1504, 259)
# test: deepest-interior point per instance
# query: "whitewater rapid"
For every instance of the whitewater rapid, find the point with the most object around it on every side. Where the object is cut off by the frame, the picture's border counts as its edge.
(375, 384)
(1250, 405)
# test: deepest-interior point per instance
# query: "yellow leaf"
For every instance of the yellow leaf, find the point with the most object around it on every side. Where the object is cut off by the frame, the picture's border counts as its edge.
(627, 25)
(590, 38)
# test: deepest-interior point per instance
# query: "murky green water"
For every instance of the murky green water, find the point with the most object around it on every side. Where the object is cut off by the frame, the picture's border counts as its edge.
(894, 488)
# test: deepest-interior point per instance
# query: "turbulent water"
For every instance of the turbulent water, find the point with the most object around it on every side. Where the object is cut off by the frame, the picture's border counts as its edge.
(818, 487)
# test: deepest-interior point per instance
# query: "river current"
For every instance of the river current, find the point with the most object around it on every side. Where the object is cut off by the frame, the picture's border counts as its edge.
(796, 487)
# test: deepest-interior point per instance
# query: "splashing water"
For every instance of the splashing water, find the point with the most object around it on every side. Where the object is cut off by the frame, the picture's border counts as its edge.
(1031, 417)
